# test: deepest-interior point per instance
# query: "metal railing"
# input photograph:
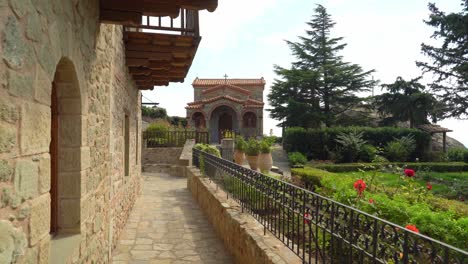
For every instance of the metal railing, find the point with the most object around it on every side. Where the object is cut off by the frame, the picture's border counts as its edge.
(319, 229)
(174, 138)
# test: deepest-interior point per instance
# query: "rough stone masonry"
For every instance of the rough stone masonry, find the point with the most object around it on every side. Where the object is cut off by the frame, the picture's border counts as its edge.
(57, 62)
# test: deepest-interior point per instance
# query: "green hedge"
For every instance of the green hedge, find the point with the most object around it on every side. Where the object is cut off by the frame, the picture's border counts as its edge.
(442, 219)
(429, 166)
(316, 143)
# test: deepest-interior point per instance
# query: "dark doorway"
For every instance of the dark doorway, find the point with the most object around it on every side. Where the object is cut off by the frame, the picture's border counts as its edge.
(225, 122)
(54, 162)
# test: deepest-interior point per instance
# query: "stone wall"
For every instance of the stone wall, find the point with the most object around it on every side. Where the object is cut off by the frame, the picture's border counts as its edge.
(45, 41)
(242, 235)
(161, 155)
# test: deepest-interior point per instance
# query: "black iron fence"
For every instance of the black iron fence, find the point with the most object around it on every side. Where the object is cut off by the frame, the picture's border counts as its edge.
(319, 229)
(173, 138)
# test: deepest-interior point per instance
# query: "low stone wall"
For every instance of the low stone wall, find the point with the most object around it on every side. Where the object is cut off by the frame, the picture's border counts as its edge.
(242, 234)
(161, 156)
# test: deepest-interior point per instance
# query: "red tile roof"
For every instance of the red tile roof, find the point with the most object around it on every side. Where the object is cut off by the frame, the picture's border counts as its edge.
(250, 102)
(239, 82)
(229, 86)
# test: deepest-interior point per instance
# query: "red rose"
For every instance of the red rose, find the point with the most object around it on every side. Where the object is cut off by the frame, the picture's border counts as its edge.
(307, 218)
(412, 228)
(409, 172)
(428, 186)
(360, 186)
(371, 201)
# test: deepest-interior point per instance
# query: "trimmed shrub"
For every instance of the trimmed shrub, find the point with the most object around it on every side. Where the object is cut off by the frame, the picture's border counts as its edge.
(318, 143)
(428, 166)
(456, 154)
(296, 158)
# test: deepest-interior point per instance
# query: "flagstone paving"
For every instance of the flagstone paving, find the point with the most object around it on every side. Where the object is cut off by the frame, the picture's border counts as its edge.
(166, 226)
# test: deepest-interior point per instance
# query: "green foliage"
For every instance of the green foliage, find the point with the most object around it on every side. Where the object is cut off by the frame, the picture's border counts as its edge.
(265, 147)
(271, 140)
(253, 147)
(434, 217)
(297, 158)
(418, 166)
(447, 62)
(396, 151)
(367, 153)
(350, 145)
(318, 143)
(240, 144)
(465, 156)
(154, 112)
(456, 154)
(406, 101)
(208, 149)
(158, 127)
(319, 85)
(435, 156)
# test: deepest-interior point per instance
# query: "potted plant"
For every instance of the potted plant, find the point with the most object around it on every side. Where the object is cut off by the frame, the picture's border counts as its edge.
(252, 152)
(239, 153)
(265, 161)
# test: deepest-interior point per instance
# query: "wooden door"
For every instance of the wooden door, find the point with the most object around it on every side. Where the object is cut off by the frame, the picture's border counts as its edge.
(54, 162)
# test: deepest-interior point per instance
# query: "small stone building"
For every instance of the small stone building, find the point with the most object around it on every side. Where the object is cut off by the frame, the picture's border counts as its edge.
(227, 104)
(71, 72)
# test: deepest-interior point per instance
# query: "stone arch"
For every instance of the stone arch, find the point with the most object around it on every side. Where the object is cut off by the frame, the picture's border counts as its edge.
(222, 113)
(199, 120)
(68, 155)
(249, 120)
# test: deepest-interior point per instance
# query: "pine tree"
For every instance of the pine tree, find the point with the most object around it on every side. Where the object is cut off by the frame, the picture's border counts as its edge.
(449, 62)
(407, 101)
(319, 85)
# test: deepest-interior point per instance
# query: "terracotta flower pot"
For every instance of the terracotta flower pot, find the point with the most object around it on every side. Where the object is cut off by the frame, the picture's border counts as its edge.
(253, 162)
(239, 157)
(265, 162)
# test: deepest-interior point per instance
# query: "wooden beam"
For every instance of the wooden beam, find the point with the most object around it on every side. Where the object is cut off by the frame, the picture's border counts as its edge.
(154, 56)
(120, 17)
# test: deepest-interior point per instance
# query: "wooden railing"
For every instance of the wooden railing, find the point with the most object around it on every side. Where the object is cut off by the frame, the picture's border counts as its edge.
(174, 138)
(187, 23)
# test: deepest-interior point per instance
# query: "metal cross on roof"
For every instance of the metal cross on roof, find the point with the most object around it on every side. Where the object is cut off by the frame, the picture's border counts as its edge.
(225, 77)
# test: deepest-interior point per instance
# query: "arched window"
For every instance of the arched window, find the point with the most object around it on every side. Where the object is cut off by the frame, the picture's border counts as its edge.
(250, 120)
(199, 120)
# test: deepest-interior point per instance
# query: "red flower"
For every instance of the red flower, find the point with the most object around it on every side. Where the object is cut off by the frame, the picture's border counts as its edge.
(412, 228)
(409, 172)
(371, 201)
(307, 218)
(428, 186)
(360, 186)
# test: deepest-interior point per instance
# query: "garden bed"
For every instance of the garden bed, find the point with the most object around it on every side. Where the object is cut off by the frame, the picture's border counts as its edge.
(396, 198)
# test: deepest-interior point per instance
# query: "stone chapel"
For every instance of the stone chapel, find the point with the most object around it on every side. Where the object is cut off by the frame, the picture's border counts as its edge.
(227, 105)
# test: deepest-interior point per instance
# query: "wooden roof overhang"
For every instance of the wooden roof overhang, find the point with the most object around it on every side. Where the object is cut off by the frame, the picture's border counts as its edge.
(157, 51)
(130, 12)
(433, 129)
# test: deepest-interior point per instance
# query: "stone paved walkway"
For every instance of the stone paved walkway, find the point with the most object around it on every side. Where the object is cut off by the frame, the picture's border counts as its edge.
(167, 226)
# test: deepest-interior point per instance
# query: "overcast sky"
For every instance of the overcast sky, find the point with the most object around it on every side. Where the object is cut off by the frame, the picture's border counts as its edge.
(245, 38)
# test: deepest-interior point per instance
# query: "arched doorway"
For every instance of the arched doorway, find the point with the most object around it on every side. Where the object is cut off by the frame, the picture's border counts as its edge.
(65, 151)
(222, 118)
